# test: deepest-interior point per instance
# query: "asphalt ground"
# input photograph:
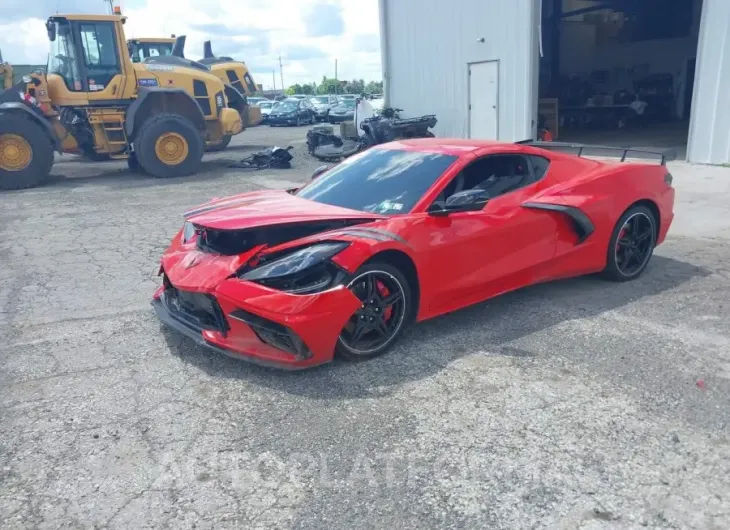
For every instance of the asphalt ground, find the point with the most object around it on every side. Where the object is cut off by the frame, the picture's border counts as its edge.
(576, 404)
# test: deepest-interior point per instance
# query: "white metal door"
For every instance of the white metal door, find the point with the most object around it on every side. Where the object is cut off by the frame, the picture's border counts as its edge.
(483, 99)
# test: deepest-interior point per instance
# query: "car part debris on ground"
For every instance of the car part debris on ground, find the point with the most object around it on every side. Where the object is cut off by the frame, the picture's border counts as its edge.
(272, 157)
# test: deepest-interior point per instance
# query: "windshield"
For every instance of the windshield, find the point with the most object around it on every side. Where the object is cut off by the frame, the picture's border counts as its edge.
(287, 105)
(62, 59)
(157, 50)
(347, 103)
(144, 50)
(265, 104)
(321, 99)
(387, 181)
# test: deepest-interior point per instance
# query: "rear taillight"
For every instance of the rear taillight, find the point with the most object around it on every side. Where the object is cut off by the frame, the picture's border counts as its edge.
(668, 178)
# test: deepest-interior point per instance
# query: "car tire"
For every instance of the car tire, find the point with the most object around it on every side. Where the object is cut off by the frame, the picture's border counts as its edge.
(183, 157)
(396, 282)
(27, 155)
(299, 120)
(631, 245)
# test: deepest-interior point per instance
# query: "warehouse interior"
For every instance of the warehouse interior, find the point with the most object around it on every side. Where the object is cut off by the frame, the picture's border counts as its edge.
(618, 72)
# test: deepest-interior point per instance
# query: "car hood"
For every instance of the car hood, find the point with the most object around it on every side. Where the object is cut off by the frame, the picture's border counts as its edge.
(267, 208)
(233, 230)
(342, 110)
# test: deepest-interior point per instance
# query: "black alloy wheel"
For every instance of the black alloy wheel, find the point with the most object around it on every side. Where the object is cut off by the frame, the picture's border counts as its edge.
(632, 244)
(385, 309)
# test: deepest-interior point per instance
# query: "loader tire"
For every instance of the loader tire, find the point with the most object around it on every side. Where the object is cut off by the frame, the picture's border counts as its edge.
(220, 146)
(169, 145)
(26, 153)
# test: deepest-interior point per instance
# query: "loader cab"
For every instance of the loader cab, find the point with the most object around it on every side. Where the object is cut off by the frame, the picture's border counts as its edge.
(88, 60)
(233, 72)
(176, 57)
(141, 49)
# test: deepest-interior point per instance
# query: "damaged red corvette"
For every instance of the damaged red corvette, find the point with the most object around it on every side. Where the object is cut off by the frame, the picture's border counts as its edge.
(402, 232)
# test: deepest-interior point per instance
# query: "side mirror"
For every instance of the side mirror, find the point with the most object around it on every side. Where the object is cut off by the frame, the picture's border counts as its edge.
(317, 172)
(463, 201)
(51, 29)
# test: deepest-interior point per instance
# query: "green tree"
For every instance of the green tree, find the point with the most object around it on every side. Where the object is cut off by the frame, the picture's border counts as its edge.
(329, 86)
(307, 88)
(374, 87)
(356, 86)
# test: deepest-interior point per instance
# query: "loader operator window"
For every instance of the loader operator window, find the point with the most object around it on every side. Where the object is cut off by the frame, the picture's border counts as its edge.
(62, 60)
(100, 54)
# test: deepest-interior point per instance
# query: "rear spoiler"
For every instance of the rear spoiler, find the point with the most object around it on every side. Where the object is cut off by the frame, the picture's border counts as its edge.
(604, 150)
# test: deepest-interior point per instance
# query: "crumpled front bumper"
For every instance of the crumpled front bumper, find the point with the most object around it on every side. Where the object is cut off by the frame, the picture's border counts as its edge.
(254, 314)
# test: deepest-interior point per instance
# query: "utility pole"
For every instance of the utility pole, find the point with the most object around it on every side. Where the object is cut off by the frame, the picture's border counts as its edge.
(111, 6)
(273, 78)
(337, 89)
(281, 73)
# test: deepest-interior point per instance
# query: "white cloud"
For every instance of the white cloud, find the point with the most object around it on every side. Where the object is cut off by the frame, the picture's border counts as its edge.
(255, 31)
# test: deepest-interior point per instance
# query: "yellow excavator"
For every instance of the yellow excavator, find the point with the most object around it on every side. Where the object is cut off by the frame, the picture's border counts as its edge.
(94, 100)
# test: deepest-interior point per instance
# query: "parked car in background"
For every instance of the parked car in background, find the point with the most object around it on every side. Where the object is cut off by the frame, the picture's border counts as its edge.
(255, 101)
(266, 108)
(292, 111)
(347, 96)
(344, 111)
(323, 105)
(300, 96)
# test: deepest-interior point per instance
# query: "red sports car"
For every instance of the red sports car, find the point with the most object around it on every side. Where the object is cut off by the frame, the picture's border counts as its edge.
(402, 232)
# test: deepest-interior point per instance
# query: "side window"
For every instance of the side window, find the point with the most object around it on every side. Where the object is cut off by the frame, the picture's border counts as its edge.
(100, 54)
(134, 53)
(495, 174)
(539, 166)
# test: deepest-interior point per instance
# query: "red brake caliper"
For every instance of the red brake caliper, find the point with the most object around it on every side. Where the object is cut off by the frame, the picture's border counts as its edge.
(384, 292)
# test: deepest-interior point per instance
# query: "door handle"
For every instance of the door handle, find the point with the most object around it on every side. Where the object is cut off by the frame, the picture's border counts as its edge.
(114, 90)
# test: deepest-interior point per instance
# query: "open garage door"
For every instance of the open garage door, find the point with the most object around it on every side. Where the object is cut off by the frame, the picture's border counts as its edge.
(618, 72)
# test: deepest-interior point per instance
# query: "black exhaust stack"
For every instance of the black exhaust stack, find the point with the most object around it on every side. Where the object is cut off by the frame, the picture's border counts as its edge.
(178, 49)
(207, 50)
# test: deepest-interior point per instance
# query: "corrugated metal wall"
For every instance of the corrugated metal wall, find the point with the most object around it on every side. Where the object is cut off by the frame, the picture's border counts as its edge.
(430, 43)
(709, 136)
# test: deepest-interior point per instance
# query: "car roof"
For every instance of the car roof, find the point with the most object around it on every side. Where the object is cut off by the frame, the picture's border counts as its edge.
(452, 146)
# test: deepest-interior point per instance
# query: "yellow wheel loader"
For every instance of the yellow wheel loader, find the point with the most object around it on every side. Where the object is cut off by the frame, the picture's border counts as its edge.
(94, 100)
(235, 75)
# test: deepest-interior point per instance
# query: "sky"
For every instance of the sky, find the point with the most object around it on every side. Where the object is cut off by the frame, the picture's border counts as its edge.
(308, 34)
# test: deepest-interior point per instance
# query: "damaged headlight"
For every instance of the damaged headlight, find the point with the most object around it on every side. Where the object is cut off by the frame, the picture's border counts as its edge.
(188, 231)
(304, 271)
